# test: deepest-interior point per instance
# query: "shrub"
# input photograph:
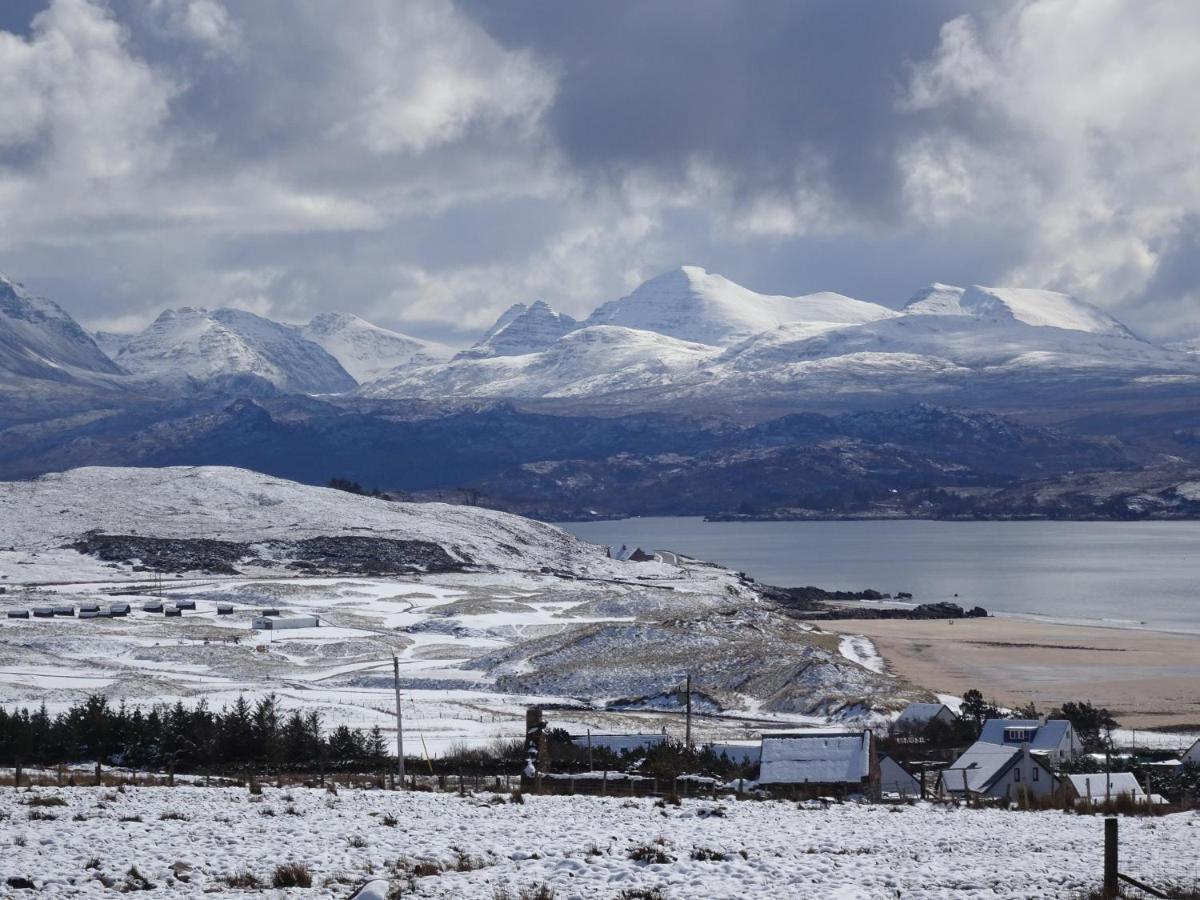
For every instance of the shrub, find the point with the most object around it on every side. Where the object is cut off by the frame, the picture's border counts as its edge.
(136, 881)
(45, 801)
(703, 854)
(171, 816)
(357, 841)
(517, 796)
(425, 869)
(292, 874)
(255, 789)
(38, 816)
(243, 880)
(131, 818)
(650, 853)
(390, 821)
(654, 893)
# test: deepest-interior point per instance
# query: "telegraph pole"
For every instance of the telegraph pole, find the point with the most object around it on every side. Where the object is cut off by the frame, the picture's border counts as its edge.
(687, 738)
(399, 721)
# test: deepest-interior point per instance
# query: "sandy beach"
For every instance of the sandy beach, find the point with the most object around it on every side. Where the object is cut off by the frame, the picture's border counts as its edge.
(1148, 679)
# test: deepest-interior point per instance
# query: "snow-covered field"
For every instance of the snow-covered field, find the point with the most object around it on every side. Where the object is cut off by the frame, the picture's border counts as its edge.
(578, 846)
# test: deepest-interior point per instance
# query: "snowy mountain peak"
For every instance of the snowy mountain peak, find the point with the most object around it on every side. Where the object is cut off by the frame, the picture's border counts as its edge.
(1044, 309)
(38, 339)
(205, 344)
(368, 351)
(692, 304)
(522, 329)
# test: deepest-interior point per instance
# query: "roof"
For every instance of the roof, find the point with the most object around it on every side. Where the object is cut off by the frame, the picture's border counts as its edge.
(1192, 754)
(820, 757)
(895, 779)
(1047, 735)
(920, 713)
(983, 764)
(1094, 785)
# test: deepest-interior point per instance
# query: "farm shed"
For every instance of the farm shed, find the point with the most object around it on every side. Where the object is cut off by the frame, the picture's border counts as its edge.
(185, 604)
(18, 614)
(822, 760)
(43, 612)
(64, 611)
(152, 606)
(118, 609)
(1100, 788)
(172, 612)
(224, 609)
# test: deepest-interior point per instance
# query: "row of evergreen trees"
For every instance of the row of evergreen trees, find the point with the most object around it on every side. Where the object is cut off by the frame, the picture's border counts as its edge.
(187, 739)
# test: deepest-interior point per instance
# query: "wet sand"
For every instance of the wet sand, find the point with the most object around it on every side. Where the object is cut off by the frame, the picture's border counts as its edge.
(1148, 679)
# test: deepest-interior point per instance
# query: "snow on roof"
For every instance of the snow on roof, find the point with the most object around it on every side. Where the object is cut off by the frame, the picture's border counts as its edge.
(895, 779)
(920, 713)
(1038, 735)
(1117, 783)
(979, 766)
(818, 757)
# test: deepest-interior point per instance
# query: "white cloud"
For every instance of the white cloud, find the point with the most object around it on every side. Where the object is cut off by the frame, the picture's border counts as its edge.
(1078, 118)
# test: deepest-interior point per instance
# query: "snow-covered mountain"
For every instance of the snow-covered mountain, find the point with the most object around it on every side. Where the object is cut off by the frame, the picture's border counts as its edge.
(1043, 309)
(691, 304)
(588, 361)
(39, 340)
(367, 351)
(522, 329)
(205, 344)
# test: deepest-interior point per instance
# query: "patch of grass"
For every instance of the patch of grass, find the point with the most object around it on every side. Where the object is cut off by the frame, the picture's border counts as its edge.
(242, 880)
(45, 801)
(266, 811)
(130, 819)
(650, 853)
(255, 789)
(653, 893)
(93, 863)
(79, 817)
(516, 796)
(292, 874)
(704, 854)
(425, 869)
(171, 816)
(541, 891)
(357, 841)
(390, 821)
(136, 881)
(38, 815)
(669, 800)
(292, 811)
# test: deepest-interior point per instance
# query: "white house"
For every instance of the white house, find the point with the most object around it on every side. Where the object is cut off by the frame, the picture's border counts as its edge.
(825, 759)
(999, 772)
(917, 716)
(1054, 737)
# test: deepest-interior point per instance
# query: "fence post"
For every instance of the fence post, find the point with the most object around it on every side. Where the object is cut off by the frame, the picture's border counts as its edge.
(1110, 858)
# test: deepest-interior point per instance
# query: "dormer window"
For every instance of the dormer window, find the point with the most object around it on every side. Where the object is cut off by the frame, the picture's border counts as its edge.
(1019, 735)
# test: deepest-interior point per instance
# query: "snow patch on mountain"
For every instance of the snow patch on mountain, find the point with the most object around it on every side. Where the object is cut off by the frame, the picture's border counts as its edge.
(522, 330)
(596, 360)
(38, 339)
(205, 344)
(368, 351)
(691, 304)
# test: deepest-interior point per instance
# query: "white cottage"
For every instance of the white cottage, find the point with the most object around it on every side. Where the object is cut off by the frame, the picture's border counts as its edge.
(820, 759)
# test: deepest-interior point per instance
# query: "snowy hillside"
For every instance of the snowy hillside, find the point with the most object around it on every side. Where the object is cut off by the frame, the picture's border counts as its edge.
(367, 351)
(212, 502)
(39, 340)
(589, 361)
(691, 304)
(522, 330)
(204, 344)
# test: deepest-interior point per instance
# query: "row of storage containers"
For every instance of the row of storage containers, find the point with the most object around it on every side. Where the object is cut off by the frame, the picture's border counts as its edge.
(113, 610)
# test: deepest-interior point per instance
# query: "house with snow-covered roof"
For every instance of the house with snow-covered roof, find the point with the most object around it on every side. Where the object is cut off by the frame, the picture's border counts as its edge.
(828, 761)
(998, 772)
(1054, 737)
(918, 716)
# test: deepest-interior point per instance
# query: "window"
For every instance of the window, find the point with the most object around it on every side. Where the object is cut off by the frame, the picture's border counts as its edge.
(1018, 735)
(1016, 774)
(1035, 773)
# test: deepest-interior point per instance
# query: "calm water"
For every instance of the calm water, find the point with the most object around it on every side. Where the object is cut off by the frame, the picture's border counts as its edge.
(1135, 574)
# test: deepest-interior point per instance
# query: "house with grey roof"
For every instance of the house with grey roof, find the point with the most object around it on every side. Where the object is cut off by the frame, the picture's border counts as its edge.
(1192, 756)
(918, 716)
(1054, 737)
(826, 761)
(998, 772)
(1102, 788)
(896, 780)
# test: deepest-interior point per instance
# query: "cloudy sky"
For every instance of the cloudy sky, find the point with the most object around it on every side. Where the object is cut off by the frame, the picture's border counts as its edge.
(427, 163)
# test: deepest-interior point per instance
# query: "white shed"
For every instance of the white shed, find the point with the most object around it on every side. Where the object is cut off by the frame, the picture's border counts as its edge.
(820, 758)
(895, 779)
(270, 623)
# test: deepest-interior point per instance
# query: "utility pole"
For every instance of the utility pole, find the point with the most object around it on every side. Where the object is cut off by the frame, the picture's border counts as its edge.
(687, 734)
(399, 721)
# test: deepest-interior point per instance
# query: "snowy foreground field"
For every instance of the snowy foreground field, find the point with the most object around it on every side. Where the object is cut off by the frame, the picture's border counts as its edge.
(579, 847)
